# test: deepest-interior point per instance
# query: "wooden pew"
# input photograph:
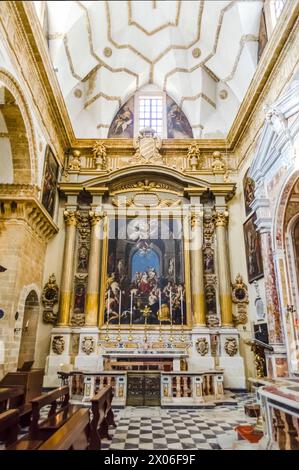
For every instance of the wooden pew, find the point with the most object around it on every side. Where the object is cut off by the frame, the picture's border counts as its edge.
(9, 429)
(102, 417)
(14, 398)
(58, 414)
(73, 435)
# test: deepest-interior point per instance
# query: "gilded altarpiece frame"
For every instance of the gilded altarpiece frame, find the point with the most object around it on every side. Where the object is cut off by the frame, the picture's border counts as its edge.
(162, 309)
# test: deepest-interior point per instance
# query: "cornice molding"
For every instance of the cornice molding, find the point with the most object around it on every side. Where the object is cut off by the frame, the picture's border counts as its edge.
(19, 203)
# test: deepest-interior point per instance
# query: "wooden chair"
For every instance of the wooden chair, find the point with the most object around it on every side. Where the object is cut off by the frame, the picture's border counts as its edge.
(73, 435)
(60, 412)
(102, 417)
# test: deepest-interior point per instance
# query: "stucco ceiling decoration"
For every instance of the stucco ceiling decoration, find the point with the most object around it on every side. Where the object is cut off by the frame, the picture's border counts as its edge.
(153, 42)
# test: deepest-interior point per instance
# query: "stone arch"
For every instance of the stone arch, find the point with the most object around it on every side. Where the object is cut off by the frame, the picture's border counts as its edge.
(280, 210)
(19, 123)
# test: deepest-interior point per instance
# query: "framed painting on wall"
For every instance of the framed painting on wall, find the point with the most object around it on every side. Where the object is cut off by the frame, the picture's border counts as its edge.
(253, 250)
(248, 189)
(50, 182)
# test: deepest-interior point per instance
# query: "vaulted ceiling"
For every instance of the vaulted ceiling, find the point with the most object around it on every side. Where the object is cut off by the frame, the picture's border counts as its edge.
(202, 53)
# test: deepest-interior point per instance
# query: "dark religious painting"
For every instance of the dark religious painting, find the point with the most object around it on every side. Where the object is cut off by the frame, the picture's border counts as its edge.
(145, 272)
(123, 123)
(248, 188)
(253, 250)
(178, 126)
(50, 182)
(79, 296)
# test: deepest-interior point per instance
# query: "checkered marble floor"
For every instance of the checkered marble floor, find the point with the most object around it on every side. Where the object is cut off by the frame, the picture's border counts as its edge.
(157, 429)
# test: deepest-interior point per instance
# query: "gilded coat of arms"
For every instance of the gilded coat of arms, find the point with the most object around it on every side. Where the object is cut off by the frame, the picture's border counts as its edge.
(147, 146)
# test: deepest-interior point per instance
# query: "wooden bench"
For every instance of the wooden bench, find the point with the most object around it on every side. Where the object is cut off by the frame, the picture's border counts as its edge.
(102, 417)
(14, 398)
(60, 411)
(9, 428)
(73, 435)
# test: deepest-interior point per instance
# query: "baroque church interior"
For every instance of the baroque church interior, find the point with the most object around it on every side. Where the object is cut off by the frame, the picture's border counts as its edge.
(149, 225)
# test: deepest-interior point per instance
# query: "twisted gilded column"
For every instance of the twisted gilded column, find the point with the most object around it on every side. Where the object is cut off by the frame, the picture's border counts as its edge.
(92, 298)
(197, 271)
(70, 218)
(220, 220)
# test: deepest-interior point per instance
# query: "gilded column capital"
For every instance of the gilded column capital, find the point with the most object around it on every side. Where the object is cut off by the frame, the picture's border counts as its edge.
(195, 219)
(95, 217)
(220, 218)
(70, 218)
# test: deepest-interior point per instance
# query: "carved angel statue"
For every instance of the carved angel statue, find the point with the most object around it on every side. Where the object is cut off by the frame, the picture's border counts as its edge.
(147, 146)
(75, 161)
(100, 155)
(193, 157)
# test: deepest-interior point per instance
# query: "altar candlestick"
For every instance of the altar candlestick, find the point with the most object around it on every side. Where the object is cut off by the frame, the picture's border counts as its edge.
(119, 310)
(182, 308)
(131, 308)
(170, 305)
(108, 308)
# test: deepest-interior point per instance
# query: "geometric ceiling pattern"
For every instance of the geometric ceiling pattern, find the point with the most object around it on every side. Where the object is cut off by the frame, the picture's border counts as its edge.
(201, 53)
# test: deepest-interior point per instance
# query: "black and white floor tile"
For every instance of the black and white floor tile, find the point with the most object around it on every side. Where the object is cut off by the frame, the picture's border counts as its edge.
(179, 429)
(154, 428)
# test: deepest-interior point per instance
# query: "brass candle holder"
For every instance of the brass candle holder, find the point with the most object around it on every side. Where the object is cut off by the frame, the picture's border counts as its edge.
(145, 312)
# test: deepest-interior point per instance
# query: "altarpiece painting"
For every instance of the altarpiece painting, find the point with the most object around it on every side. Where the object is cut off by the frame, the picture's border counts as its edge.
(145, 272)
(253, 250)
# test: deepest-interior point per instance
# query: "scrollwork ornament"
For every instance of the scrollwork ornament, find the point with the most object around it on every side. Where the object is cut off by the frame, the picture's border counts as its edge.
(202, 346)
(88, 345)
(231, 346)
(49, 298)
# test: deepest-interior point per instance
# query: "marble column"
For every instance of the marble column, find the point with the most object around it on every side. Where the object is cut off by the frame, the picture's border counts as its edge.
(221, 219)
(92, 298)
(70, 219)
(197, 271)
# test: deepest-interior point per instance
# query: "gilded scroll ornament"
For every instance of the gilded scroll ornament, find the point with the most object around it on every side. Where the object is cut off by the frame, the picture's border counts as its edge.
(49, 299)
(231, 346)
(58, 344)
(202, 346)
(100, 156)
(88, 345)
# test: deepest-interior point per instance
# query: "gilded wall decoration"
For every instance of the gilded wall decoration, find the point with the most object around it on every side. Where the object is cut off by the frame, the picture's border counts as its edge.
(178, 126)
(88, 345)
(100, 156)
(231, 346)
(74, 161)
(253, 250)
(49, 299)
(193, 157)
(248, 188)
(123, 123)
(202, 346)
(58, 344)
(50, 182)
